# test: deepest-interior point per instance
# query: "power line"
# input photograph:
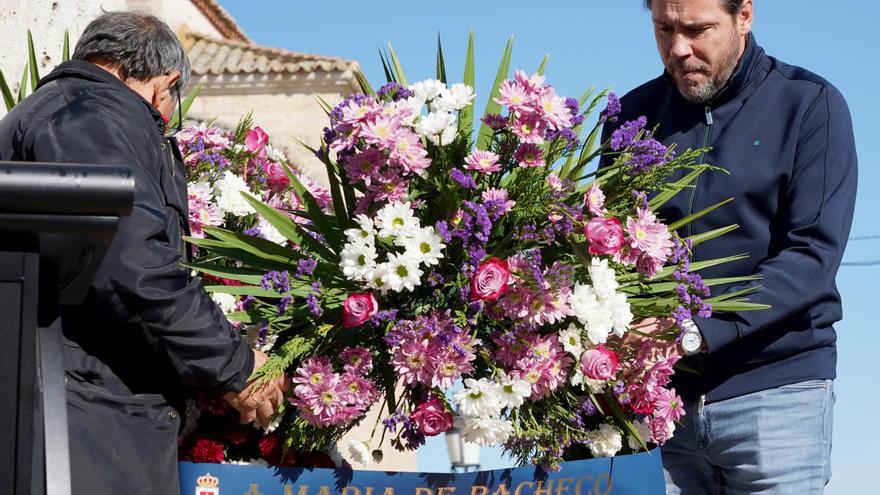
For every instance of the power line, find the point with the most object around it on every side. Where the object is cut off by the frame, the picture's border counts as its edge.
(865, 238)
(860, 263)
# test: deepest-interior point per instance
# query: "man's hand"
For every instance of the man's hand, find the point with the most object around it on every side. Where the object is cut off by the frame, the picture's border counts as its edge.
(259, 404)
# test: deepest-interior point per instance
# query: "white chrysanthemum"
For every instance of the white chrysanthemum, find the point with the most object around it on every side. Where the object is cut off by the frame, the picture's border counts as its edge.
(428, 89)
(359, 451)
(579, 380)
(454, 98)
(571, 340)
(269, 232)
(512, 391)
(377, 280)
(434, 124)
(606, 441)
(414, 105)
(643, 428)
(480, 398)
(425, 245)
(226, 302)
(396, 219)
(484, 431)
(358, 261)
(621, 314)
(603, 278)
(227, 192)
(595, 316)
(275, 154)
(446, 137)
(365, 233)
(401, 272)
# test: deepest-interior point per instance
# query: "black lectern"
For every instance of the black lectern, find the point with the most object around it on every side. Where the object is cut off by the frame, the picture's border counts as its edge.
(56, 223)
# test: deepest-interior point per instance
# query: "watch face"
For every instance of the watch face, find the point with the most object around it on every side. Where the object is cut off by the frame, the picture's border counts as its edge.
(691, 341)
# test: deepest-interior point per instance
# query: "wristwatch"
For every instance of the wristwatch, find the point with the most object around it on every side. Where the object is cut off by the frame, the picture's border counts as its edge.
(691, 339)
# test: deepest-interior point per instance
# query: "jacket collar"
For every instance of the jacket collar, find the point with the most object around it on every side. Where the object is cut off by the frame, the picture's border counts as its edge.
(91, 72)
(751, 64)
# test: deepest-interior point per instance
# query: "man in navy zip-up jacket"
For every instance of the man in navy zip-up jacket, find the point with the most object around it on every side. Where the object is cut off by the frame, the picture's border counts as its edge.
(759, 412)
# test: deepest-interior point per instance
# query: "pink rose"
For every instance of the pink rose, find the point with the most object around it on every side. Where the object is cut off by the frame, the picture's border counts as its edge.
(599, 363)
(256, 139)
(605, 235)
(276, 178)
(431, 417)
(358, 308)
(491, 280)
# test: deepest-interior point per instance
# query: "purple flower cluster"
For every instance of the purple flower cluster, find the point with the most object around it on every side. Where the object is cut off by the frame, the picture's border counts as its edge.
(646, 151)
(473, 226)
(410, 438)
(626, 135)
(312, 300)
(277, 281)
(394, 91)
(585, 410)
(612, 109)
(462, 178)
(574, 107)
(690, 288)
(305, 267)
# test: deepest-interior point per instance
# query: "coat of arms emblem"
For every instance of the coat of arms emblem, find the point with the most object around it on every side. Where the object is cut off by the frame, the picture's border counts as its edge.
(207, 485)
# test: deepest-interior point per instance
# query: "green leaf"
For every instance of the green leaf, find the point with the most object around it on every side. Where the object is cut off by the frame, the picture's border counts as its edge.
(738, 305)
(184, 107)
(398, 69)
(735, 294)
(543, 66)
(700, 238)
(291, 230)
(441, 65)
(7, 94)
(255, 245)
(22, 88)
(323, 103)
(466, 115)
(690, 218)
(674, 188)
(389, 74)
(661, 287)
(485, 135)
(32, 62)
(320, 220)
(65, 50)
(339, 208)
(246, 275)
(257, 291)
(364, 83)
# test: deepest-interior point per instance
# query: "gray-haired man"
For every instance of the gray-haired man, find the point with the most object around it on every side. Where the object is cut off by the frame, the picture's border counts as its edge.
(147, 333)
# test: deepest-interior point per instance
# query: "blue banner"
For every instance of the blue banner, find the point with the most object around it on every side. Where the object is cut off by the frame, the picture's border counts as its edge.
(638, 474)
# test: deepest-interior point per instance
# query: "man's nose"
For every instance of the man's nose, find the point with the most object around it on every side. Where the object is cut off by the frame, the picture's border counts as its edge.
(680, 47)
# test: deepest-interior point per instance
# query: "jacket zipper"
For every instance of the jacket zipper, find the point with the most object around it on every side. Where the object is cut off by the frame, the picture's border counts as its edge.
(166, 149)
(689, 229)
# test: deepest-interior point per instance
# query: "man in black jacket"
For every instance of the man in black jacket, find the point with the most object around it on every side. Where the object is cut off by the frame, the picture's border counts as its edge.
(147, 333)
(759, 413)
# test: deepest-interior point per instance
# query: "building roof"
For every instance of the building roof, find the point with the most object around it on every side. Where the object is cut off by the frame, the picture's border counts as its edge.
(211, 56)
(221, 19)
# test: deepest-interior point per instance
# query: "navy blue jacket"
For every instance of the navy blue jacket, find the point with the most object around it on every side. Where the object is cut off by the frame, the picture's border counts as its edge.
(785, 135)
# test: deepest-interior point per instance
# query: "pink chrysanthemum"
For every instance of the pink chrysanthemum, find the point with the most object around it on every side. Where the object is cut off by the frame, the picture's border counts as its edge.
(482, 161)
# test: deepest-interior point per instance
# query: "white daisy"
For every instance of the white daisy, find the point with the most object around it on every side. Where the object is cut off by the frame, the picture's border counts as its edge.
(433, 124)
(428, 89)
(480, 398)
(606, 441)
(365, 233)
(512, 391)
(425, 245)
(226, 302)
(227, 192)
(358, 261)
(401, 272)
(454, 98)
(396, 219)
(377, 279)
(359, 451)
(571, 340)
(484, 431)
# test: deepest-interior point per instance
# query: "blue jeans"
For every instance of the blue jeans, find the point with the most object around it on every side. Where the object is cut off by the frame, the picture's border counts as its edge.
(769, 442)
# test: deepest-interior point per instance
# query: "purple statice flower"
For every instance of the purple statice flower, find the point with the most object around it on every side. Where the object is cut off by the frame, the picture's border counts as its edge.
(647, 153)
(464, 293)
(247, 302)
(312, 300)
(566, 134)
(494, 121)
(443, 231)
(394, 91)
(641, 199)
(305, 267)
(277, 281)
(284, 304)
(253, 231)
(612, 109)
(463, 179)
(625, 135)
(574, 107)
(383, 316)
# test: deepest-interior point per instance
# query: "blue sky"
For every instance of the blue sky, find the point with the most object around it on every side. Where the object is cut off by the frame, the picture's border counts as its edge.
(610, 44)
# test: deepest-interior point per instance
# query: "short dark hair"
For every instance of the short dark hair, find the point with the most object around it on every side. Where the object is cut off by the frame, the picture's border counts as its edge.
(733, 6)
(140, 46)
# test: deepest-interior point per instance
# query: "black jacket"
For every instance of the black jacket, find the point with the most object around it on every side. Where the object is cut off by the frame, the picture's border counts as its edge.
(147, 333)
(785, 135)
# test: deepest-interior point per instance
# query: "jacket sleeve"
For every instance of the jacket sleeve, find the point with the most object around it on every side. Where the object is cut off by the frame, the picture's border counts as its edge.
(140, 285)
(816, 217)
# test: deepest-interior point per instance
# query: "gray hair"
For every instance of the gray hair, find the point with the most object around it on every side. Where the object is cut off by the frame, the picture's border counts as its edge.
(140, 46)
(733, 7)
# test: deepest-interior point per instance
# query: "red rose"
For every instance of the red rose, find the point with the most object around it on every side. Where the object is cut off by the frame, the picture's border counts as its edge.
(277, 179)
(599, 363)
(431, 417)
(605, 235)
(491, 280)
(256, 139)
(205, 450)
(358, 308)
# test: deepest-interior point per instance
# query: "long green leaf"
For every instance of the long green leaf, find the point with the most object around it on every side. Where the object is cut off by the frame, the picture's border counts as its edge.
(248, 276)
(65, 50)
(32, 62)
(291, 230)
(22, 88)
(366, 88)
(339, 208)
(738, 305)
(674, 188)
(700, 238)
(255, 245)
(690, 218)
(466, 115)
(332, 235)
(398, 69)
(441, 65)
(184, 107)
(661, 287)
(485, 135)
(543, 65)
(735, 294)
(7, 94)
(389, 74)
(257, 291)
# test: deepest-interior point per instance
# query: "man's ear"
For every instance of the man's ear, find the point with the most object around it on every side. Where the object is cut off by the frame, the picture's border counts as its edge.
(745, 17)
(162, 87)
